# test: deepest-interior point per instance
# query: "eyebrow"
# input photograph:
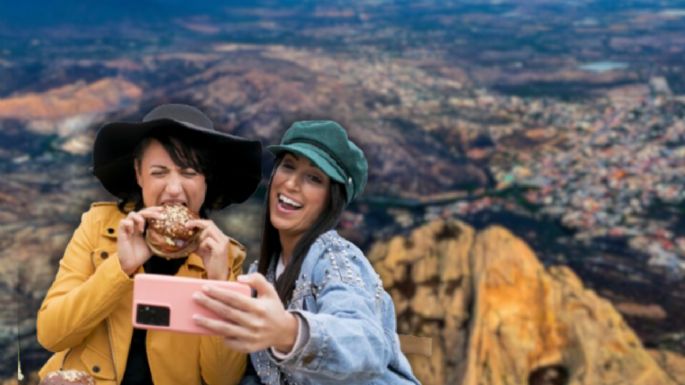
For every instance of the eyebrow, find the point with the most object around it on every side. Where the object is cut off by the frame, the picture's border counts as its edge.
(316, 169)
(308, 160)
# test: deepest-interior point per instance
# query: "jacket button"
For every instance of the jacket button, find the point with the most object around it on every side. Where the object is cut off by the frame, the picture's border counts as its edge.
(104, 255)
(96, 369)
(110, 230)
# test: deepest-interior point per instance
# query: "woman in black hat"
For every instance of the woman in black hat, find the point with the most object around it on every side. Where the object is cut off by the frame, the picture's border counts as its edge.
(321, 315)
(173, 157)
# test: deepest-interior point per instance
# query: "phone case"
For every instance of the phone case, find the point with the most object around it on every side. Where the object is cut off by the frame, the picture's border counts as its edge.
(162, 302)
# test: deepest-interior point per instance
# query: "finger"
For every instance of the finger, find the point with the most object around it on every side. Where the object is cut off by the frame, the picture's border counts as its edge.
(220, 241)
(206, 246)
(208, 229)
(238, 345)
(153, 212)
(260, 284)
(219, 327)
(205, 233)
(199, 223)
(231, 298)
(229, 314)
(231, 332)
(126, 227)
(137, 221)
(243, 346)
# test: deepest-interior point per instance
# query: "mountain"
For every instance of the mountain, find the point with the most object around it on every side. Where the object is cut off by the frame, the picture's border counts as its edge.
(560, 121)
(496, 315)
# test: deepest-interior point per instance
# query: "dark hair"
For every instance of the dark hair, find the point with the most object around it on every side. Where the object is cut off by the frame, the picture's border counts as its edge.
(185, 152)
(271, 244)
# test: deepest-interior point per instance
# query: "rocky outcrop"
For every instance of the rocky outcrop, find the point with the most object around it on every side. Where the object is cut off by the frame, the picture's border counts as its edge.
(69, 111)
(71, 100)
(497, 316)
(673, 363)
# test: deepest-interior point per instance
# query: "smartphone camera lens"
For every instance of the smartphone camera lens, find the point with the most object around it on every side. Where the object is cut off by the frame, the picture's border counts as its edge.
(152, 315)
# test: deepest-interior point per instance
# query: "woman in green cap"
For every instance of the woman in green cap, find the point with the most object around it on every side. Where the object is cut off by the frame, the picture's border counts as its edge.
(321, 315)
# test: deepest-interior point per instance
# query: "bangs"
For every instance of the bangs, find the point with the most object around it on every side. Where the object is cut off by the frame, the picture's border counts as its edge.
(185, 156)
(184, 152)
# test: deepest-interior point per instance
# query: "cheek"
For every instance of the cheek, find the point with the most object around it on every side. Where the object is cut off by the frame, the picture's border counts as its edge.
(198, 189)
(277, 179)
(148, 185)
(202, 185)
(150, 190)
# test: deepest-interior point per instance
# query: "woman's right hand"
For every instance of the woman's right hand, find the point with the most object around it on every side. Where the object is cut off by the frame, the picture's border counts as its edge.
(131, 246)
(249, 324)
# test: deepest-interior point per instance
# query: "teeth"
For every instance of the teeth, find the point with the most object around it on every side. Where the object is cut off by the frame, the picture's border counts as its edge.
(289, 201)
(171, 203)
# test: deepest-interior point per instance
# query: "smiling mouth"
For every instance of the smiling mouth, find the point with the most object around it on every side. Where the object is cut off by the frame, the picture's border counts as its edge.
(288, 203)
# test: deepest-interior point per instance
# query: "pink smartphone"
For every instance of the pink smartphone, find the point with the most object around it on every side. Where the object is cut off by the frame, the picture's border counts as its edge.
(162, 302)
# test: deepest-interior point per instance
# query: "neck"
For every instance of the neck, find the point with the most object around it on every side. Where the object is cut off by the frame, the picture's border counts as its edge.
(288, 243)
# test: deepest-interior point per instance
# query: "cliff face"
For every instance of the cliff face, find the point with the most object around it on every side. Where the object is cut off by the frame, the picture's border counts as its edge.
(104, 95)
(67, 112)
(497, 316)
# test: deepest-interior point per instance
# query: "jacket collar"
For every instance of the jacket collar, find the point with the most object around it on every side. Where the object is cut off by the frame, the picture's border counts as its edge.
(194, 260)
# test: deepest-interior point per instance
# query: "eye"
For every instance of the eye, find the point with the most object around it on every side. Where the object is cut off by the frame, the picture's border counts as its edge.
(157, 172)
(189, 172)
(287, 165)
(315, 178)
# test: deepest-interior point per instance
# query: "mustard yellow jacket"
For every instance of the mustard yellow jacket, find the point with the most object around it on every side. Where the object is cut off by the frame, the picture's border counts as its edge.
(85, 317)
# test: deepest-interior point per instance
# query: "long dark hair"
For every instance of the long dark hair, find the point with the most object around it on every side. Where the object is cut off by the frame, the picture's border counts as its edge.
(185, 152)
(271, 244)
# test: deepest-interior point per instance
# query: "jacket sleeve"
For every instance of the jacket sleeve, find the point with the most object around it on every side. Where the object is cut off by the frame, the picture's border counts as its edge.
(219, 364)
(346, 337)
(81, 296)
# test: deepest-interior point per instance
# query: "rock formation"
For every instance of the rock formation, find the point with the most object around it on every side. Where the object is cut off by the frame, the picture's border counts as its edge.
(104, 95)
(69, 111)
(497, 316)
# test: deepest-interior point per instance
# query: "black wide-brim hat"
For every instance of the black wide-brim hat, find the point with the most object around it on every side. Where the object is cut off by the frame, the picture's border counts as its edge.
(235, 162)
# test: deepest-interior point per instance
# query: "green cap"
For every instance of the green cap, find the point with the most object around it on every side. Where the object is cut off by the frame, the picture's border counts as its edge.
(326, 144)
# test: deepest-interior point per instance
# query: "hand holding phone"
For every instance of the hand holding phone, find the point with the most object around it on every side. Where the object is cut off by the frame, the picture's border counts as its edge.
(162, 302)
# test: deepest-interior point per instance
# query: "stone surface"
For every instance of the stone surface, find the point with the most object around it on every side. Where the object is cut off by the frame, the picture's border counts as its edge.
(70, 101)
(497, 316)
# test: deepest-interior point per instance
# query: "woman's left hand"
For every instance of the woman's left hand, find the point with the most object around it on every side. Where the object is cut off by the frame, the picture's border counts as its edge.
(213, 247)
(249, 324)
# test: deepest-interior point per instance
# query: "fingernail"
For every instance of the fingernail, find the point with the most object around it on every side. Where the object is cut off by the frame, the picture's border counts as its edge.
(242, 278)
(196, 295)
(206, 288)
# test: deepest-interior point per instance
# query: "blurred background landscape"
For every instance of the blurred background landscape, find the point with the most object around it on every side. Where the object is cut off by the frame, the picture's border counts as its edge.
(561, 123)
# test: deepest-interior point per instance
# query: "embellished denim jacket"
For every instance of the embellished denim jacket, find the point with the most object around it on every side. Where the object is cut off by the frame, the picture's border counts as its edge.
(351, 322)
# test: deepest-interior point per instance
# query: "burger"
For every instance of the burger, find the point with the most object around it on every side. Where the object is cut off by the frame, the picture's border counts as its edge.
(168, 236)
(67, 377)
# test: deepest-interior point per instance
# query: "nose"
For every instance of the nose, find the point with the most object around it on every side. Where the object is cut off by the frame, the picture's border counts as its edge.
(174, 186)
(292, 182)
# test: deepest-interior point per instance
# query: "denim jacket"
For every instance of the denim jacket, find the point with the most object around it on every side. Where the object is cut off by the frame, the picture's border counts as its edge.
(351, 323)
